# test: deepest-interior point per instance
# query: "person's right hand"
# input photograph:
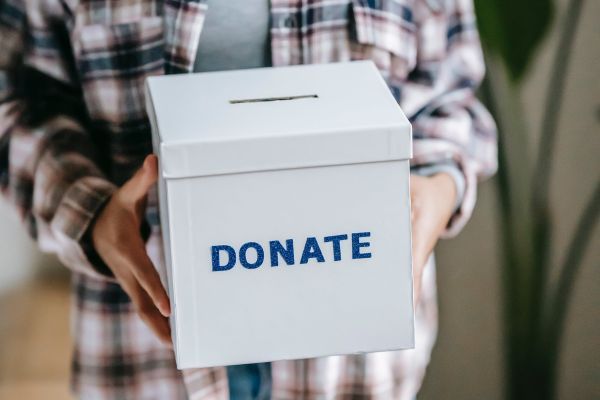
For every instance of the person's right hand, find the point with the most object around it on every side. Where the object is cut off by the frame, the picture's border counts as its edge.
(117, 238)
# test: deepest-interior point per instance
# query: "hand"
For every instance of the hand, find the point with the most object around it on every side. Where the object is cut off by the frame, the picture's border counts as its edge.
(432, 205)
(117, 238)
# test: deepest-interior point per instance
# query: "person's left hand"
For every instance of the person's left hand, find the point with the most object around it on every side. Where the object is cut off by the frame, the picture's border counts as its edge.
(432, 205)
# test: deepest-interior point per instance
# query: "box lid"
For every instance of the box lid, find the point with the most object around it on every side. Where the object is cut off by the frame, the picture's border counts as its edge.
(275, 118)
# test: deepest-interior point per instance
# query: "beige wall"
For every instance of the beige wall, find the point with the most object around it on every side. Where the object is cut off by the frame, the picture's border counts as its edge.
(467, 360)
(19, 256)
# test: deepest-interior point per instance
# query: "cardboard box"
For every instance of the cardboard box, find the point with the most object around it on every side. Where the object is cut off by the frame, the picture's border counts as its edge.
(284, 199)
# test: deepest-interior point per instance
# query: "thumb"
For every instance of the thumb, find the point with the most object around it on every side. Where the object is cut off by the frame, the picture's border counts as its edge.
(140, 183)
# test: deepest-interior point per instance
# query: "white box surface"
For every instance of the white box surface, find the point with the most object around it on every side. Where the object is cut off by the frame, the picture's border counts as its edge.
(274, 166)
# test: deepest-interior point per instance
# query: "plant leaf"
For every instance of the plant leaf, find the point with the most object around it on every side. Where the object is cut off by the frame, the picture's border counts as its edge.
(514, 29)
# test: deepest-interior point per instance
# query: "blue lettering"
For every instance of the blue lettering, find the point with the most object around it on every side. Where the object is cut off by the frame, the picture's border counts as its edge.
(279, 251)
(335, 242)
(287, 252)
(216, 265)
(311, 250)
(356, 245)
(260, 255)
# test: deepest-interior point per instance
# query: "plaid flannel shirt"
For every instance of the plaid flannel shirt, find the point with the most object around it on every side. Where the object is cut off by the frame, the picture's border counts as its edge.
(73, 128)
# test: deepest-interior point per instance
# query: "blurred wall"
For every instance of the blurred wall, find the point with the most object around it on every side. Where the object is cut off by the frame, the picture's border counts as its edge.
(19, 257)
(467, 360)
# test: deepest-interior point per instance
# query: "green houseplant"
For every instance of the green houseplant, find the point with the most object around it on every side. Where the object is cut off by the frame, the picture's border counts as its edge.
(534, 307)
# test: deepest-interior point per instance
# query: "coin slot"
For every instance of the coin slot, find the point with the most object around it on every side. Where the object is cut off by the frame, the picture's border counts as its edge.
(269, 99)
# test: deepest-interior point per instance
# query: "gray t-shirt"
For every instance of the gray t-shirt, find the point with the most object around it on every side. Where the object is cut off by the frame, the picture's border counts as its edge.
(235, 35)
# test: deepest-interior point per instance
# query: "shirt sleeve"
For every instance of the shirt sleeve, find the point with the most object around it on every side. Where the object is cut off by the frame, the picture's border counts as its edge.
(48, 165)
(450, 126)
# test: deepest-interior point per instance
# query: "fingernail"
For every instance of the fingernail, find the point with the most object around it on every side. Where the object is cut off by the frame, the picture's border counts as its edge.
(165, 308)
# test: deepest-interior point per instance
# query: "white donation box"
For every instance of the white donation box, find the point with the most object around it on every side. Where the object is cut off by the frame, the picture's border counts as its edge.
(285, 212)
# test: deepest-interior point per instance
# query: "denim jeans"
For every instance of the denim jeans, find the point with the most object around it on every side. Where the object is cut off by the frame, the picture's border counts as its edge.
(249, 381)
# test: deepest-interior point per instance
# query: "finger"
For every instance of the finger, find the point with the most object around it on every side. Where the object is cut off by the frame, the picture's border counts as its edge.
(145, 307)
(155, 320)
(136, 260)
(416, 291)
(137, 187)
(416, 182)
(150, 168)
(417, 274)
(424, 236)
(418, 264)
(148, 277)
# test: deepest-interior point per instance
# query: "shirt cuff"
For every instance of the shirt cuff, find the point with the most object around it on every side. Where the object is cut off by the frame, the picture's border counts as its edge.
(72, 224)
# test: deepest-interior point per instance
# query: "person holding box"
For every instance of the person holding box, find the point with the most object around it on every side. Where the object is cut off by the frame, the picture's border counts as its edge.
(75, 160)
